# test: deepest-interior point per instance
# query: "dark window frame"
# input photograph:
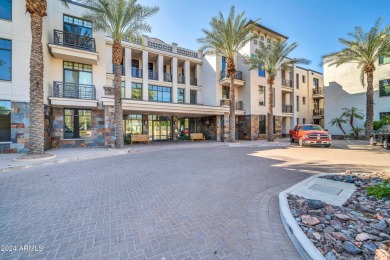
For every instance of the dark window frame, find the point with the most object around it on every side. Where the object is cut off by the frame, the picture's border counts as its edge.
(159, 89)
(262, 124)
(138, 86)
(193, 97)
(85, 24)
(263, 94)
(181, 94)
(5, 49)
(6, 112)
(76, 123)
(384, 93)
(10, 19)
(225, 92)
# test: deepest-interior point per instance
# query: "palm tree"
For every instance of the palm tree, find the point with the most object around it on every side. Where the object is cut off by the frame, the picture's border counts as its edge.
(226, 38)
(364, 49)
(37, 10)
(119, 19)
(272, 59)
(339, 121)
(352, 113)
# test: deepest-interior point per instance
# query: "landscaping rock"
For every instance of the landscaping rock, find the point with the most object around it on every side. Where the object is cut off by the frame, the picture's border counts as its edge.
(381, 225)
(306, 219)
(330, 256)
(381, 254)
(315, 204)
(369, 247)
(351, 248)
(342, 216)
(340, 236)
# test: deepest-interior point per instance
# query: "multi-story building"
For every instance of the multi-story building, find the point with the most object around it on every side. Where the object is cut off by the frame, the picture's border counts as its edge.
(168, 91)
(343, 89)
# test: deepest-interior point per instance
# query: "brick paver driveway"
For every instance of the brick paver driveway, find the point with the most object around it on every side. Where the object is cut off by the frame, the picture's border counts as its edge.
(201, 203)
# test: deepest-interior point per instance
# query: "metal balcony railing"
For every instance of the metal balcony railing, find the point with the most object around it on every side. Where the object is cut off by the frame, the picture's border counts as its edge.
(75, 41)
(194, 81)
(121, 68)
(287, 108)
(136, 72)
(318, 91)
(318, 112)
(237, 75)
(152, 75)
(181, 79)
(240, 105)
(168, 77)
(287, 83)
(71, 90)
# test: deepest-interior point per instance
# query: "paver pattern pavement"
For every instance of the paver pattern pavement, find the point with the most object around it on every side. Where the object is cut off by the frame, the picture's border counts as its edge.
(202, 203)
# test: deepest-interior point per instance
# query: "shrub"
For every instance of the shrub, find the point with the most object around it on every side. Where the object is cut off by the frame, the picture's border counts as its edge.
(127, 138)
(379, 190)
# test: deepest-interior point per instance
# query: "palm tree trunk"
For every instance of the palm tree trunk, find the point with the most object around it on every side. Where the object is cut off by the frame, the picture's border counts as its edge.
(37, 123)
(270, 112)
(118, 116)
(232, 117)
(369, 104)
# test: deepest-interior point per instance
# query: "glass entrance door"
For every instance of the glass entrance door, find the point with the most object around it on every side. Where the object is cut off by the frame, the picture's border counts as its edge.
(160, 127)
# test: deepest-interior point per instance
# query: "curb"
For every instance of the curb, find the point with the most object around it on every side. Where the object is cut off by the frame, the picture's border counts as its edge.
(61, 160)
(302, 243)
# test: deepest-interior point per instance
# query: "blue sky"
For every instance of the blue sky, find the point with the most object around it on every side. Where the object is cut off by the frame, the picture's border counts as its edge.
(314, 25)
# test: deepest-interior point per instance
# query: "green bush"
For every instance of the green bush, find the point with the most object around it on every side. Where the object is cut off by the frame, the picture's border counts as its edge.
(379, 190)
(377, 125)
(127, 138)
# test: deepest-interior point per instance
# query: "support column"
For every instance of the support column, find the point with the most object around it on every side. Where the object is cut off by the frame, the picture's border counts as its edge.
(225, 127)
(187, 80)
(145, 80)
(219, 129)
(160, 68)
(174, 79)
(198, 74)
(127, 63)
(175, 128)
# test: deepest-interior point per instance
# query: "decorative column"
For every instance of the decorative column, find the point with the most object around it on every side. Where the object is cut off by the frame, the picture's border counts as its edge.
(198, 74)
(174, 79)
(145, 73)
(187, 80)
(127, 63)
(160, 68)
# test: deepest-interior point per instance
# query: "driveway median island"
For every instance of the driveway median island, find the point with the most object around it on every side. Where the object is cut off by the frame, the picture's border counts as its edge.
(358, 228)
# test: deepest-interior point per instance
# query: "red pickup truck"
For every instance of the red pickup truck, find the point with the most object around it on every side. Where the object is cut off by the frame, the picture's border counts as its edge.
(310, 134)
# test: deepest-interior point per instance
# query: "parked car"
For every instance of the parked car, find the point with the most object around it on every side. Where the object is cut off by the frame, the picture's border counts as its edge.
(381, 136)
(310, 134)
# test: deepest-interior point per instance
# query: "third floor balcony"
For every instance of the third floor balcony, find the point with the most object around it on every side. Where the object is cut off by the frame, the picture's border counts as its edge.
(318, 113)
(318, 92)
(287, 84)
(74, 47)
(287, 109)
(225, 79)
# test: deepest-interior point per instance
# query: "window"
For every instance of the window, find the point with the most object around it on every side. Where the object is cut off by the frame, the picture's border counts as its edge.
(262, 124)
(384, 88)
(77, 26)
(262, 38)
(384, 59)
(159, 93)
(274, 124)
(225, 92)
(283, 74)
(304, 121)
(297, 103)
(261, 96)
(261, 71)
(297, 121)
(6, 9)
(5, 60)
(136, 90)
(193, 97)
(255, 41)
(303, 79)
(315, 82)
(150, 66)
(268, 40)
(77, 123)
(223, 63)
(78, 80)
(5, 121)
(135, 63)
(273, 92)
(303, 100)
(123, 85)
(383, 114)
(133, 124)
(297, 80)
(180, 95)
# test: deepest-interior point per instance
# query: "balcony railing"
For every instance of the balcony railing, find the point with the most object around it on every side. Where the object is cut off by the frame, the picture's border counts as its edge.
(121, 69)
(75, 41)
(136, 72)
(152, 75)
(168, 77)
(287, 108)
(194, 81)
(181, 79)
(240, 105)
(318, 112)
(287, 83)
(237, 75)
(224, 102)
(71, 90)
(318, 91)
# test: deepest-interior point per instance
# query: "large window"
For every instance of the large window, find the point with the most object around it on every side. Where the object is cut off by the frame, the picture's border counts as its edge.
(6, 9)
(225, 92)
(5, 121)
(180, 95)
(384, 88)
(261, 71)
(77, 26)
(193, 97)
(261, 95)
(303, 79)
(303, 100)
(77, 123)
(133, 124)
(297, 103)
(384, 59)
(223, 63)
(262, 124)
(77, 73)
(136, 90)
(159, 93)
(5, 59)
(297, 80)
(315, 82)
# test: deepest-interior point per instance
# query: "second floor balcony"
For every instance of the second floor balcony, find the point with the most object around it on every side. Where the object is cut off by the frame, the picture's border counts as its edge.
(287, 109)
(318, 92)
(193, 81)
(286, 83)
(152, 75)
(168, 77)
(136, 72)
(225, 78)
(181, 79)
(318, 113)
(73, 95)
(74, 47)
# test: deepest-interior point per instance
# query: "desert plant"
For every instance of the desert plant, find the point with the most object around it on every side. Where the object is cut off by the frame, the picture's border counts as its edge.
(127, 138)
(379, 190)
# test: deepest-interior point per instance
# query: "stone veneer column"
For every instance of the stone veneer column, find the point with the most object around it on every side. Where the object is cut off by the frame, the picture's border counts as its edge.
(109, 126)
(174, 79)
(225, 127)
(219, 130)
(254, 127)
(175, 128)
(145, 73)
(127, 63)
(187, 81)
(145, 128)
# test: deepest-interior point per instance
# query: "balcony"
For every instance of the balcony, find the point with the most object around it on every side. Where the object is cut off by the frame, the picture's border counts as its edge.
(240, 105)
(224, 102)
(136, 72)
(181, 79)
(318, 92)
(168, 77)
(318, 113)
(121, 69)
(74, 47)
(287, 109)
(287, 85)
(194, 81)
(225, 79)
(70, 94)
(152, 75)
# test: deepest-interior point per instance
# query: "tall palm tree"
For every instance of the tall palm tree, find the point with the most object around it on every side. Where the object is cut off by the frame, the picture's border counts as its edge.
(119, 19)
(352, 113)
(226, 37)
(339, 121)
(364, 49)
(37, 10)
(272, 59)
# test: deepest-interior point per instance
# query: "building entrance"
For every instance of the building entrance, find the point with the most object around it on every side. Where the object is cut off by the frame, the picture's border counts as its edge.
(160, 127)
